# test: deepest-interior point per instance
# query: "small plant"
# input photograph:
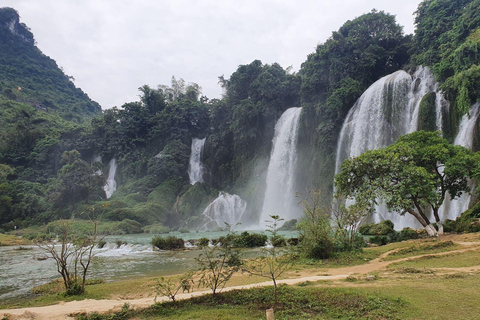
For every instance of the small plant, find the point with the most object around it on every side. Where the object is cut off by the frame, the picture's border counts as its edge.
(171, 286)
(218, 263)
(273, 263)
(351, 278)
(101, 244)
(119, 243)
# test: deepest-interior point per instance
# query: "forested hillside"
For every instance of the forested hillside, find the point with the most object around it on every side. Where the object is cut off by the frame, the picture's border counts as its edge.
(47, 171)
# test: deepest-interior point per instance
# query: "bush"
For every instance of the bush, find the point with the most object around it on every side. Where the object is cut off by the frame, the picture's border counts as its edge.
(202, 242)
(469, 221)
(407, 233)
(380, 240)
(101, 244)
(382, 228)
(130, 226)
(250, 240)
(322, 249)
(168, 243)
(278, 241)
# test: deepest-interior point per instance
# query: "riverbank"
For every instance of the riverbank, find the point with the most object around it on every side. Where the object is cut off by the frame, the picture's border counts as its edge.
(436, 278)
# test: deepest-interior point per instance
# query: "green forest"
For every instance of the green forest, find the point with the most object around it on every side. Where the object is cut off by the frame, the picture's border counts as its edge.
(51, 132)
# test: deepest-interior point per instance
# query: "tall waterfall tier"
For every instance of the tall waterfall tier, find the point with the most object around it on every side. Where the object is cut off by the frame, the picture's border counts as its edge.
(111, 185)
(195, 166)
(227, 208)
(454, 208)
(388, 109)
(280, 194)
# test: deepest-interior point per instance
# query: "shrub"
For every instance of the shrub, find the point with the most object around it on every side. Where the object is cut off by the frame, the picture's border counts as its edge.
(168, 243)
(380, 240)
(469, 221)
(407, 233)
(316, 234)
(130, 226)
(101, 244)
(382, 228)
(250, 240)
(202, 242)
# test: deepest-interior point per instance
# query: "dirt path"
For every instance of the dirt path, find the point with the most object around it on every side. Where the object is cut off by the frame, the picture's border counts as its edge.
(64, 309)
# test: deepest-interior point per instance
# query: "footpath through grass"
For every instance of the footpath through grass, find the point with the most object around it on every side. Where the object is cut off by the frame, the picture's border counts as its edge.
(294, 303)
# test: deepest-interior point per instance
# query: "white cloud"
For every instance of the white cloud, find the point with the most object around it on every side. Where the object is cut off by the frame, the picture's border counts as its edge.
(112, 47)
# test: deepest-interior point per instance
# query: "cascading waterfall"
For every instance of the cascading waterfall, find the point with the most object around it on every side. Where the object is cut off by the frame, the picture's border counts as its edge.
(454, 208)
(227, 208)
(195, 167)
(111, 184)
(388, 109)
(279, 194)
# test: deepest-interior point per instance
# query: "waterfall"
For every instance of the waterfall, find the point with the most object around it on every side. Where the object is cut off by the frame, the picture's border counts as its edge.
(452, 209)
(195, 167)
(111, 184)
(279, 194)
(225, 208)
(388, 109)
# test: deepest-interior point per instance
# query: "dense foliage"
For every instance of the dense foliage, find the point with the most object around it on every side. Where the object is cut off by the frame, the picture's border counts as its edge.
(447, 38)
(43, 116)
(29, 76)
(334, 77)
(414, 175)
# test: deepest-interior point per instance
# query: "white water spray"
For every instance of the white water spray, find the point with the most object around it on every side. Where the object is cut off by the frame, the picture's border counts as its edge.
(111, 184)
(227, 208)
(195, 167)
(280, 194)
(452, 209)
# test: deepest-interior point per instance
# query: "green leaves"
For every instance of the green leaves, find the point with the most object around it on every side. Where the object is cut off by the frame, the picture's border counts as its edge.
(415, 172)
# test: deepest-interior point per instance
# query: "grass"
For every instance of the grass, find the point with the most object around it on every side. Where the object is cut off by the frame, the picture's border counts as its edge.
(12, 240)
(431, 297)
(426, 247)
(452, 260)
(294, 303)
(413, 291)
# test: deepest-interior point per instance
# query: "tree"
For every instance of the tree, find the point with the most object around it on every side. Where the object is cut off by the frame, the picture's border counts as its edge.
(315, 229)
(171, 286)
(74, 255)
(218, 263)
(274, 262)
(75, 181)
(412, 176)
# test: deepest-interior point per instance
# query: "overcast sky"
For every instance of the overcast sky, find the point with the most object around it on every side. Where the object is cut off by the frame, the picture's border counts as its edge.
(112, 47)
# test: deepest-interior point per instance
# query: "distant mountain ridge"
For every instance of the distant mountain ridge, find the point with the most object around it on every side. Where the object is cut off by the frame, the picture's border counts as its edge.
(29, 76)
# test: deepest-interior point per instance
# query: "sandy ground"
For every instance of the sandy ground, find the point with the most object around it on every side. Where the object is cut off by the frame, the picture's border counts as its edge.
(64, 310)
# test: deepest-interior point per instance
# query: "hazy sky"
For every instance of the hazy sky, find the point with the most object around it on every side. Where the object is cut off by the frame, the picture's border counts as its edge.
(112, 47)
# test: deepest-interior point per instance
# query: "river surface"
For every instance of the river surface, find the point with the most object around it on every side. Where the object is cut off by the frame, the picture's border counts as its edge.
(24, 267)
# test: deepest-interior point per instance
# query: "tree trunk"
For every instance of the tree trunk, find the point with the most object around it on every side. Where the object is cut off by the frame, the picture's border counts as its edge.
(440, 228)
(428, 226)
(438, 221)
(431, 230)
